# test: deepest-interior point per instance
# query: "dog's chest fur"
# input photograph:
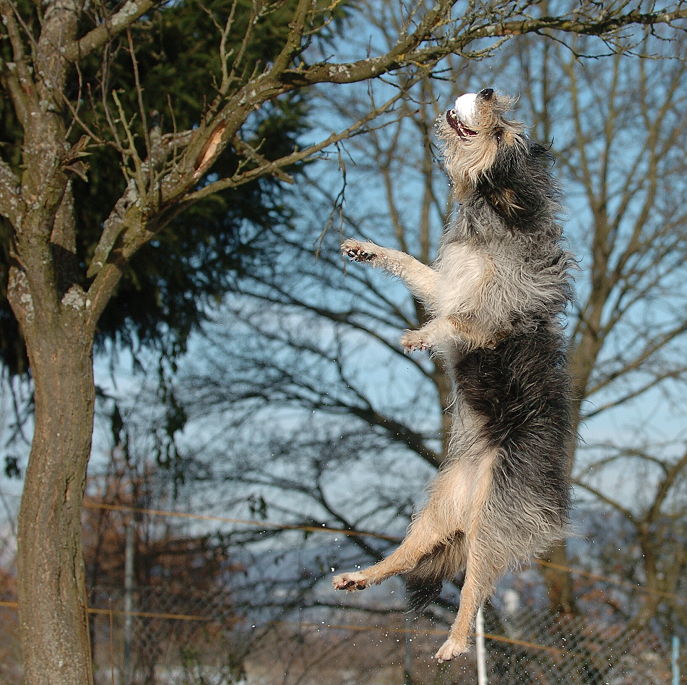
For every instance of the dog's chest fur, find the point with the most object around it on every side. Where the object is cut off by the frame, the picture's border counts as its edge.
(463, 268)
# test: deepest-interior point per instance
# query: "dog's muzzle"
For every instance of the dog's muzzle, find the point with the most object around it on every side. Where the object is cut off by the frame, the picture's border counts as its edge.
(458, 126)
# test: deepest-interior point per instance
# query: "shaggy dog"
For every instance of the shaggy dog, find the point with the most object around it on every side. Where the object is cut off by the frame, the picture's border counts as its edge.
(495, 294)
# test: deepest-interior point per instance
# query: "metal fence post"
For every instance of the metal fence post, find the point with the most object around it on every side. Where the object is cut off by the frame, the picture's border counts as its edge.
(129, 551)
(675, 660)
(481, 649)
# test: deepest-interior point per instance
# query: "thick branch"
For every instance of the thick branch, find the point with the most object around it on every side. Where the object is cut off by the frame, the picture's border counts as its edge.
(674, 472)
(406, 54)
(130, 12)
(10, 198)
(275, 166)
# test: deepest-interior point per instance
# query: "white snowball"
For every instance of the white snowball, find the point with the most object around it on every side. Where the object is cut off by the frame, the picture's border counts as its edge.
(465, 108)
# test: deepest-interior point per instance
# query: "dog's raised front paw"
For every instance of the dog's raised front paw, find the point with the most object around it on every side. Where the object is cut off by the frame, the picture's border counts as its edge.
(350, 581)
(359, 251)
(413, 340)
(450, 648)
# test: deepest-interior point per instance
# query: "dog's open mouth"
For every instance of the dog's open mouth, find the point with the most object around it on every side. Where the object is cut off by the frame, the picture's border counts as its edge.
(458, 126)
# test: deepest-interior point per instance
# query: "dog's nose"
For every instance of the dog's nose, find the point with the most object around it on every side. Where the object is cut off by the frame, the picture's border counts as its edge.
(486, 93)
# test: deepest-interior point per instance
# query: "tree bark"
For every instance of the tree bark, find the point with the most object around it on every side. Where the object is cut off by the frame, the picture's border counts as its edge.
(559, 583)
(51, 588)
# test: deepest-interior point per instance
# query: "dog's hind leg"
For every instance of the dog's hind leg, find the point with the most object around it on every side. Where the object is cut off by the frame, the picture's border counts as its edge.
(424, 582)
(481, 574)
(423, 538)
(437, 536)
(485, 561)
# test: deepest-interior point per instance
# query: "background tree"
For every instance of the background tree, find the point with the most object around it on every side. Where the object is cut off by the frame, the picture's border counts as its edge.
(622, 156)
(324, 338)
(64, 268)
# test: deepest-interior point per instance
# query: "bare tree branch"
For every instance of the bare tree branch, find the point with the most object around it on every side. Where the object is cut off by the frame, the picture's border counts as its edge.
(602, 497)
(123, 18)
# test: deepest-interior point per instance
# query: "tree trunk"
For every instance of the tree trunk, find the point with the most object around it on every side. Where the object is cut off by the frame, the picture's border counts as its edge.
(559, 583)
(51, 587)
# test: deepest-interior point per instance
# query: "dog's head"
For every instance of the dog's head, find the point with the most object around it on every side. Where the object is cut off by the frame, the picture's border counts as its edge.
(473, 133)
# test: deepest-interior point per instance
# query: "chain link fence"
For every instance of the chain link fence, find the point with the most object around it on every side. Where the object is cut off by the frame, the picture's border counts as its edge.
(269, 617)
(200, 639)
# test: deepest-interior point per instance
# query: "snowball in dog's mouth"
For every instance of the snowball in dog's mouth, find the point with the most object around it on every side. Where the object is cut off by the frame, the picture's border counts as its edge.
(457, 125)
(462, 117)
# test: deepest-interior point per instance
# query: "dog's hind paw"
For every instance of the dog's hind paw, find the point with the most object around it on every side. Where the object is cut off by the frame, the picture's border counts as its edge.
(350, 581)
(359, 252)
(450, 649)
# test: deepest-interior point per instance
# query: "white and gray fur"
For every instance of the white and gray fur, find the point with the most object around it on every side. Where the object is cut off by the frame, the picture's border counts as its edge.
(496, 294)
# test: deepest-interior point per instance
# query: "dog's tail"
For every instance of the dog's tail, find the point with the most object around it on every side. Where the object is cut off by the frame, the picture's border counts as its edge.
(423, 583)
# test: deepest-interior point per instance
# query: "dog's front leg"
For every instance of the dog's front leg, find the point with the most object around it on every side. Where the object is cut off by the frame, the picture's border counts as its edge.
(421, 279)
(431, 335)
(464, 330)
